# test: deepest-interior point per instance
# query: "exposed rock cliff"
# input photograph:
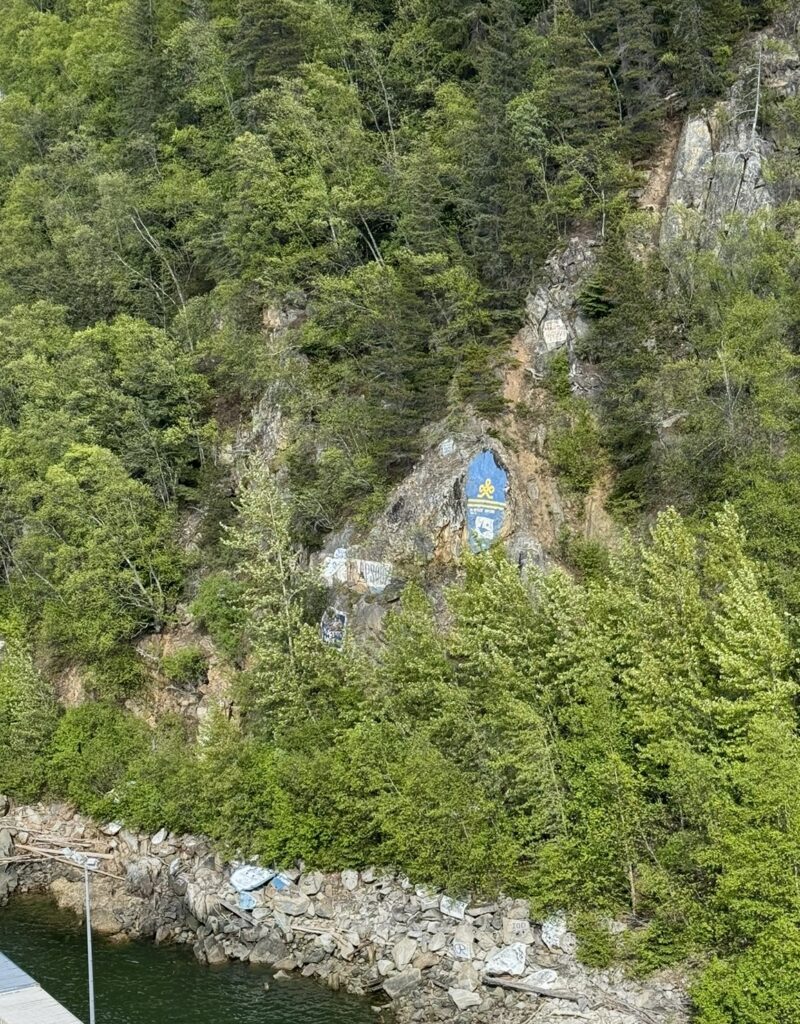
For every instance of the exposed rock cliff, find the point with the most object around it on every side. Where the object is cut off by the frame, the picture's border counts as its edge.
(721, 160)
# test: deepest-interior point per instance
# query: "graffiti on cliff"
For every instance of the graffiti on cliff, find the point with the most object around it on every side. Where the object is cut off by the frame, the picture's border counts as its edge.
(487, 484)
(333, 627)
(340, 567)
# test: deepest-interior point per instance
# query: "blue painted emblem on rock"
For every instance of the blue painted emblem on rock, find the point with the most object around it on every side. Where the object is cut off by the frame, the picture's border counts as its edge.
(487, 484)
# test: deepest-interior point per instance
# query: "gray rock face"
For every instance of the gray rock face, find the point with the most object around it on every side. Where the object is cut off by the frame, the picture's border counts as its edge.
(554, 321)
(718, 171)
(142, 874)
(719, 165)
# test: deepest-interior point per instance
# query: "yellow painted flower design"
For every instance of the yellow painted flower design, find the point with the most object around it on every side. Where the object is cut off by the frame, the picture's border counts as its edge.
(486, 490)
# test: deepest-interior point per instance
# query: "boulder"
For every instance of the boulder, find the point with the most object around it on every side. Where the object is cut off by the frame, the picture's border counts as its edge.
(249, 877)
(554, 928)
(543, 978)
(214, 952)
(350, 880)
(6, 842)
(463, 998)
(466, 977)
(515, 930)
(291, 903)
(508, 960)
(311, 883)
(453, 908)
(269, 950)
(463, 942)
(105, 922)
(403, 952)
(403, 984)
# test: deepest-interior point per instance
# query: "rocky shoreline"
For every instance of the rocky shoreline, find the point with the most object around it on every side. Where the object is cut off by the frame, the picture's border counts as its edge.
(420, 955)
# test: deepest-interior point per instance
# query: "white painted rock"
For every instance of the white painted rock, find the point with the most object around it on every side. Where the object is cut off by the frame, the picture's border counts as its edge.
(517, 931)
(453, 908)
(250, 877)
(543, 978)
(554, 928)
(350, 880)
(508, 960)
(462, 943)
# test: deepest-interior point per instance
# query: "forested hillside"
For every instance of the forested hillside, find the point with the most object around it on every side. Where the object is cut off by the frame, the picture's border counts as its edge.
(336, 211)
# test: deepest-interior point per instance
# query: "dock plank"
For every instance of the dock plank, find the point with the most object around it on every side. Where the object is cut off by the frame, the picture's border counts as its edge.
(23, 1001)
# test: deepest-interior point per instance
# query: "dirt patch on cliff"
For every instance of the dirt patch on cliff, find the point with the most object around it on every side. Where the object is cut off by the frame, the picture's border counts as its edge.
(654, 196)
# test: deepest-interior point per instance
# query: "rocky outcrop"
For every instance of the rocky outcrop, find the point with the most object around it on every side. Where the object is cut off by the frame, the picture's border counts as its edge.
(554, 322)
(193, 701)
(422, 531)
(262, 435)
(719, 167)
(718, 171)
(430, 956)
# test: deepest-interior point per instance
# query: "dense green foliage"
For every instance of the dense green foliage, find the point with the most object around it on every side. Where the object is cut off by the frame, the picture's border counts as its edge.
(699, 350)
(396, 170)
(385, 176)
(28, 718)
(626, 745)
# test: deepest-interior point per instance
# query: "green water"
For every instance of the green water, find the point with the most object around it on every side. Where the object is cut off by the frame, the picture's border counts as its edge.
(138, 983)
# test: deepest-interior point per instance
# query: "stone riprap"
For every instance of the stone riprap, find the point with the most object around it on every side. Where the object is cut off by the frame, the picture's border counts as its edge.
(423, 955)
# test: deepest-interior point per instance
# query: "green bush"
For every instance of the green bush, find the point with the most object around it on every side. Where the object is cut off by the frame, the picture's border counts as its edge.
(185, 666)
(217, 609)
(92, 749)
(28, 716)
(119, 674)
(574, 448)
(757, 986)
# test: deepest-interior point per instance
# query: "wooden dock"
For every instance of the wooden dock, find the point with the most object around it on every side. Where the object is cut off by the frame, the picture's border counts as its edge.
(23, 1001)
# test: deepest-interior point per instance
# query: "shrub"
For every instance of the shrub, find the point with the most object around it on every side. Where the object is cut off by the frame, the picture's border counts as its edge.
(92, 749)
(28, 716)
(185, 666)
(217, 610)
(574, 448)
(759, 986)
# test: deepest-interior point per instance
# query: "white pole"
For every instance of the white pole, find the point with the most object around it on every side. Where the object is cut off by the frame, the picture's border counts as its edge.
(89, 943)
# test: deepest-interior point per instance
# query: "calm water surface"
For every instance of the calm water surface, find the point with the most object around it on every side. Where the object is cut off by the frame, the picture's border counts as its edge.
(139, 983)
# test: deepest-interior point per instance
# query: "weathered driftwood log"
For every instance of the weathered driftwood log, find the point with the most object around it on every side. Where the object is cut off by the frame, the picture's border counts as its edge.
(601, 999)
(535, 990)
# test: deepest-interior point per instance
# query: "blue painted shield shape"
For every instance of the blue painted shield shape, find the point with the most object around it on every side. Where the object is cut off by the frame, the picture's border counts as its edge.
(487, 484)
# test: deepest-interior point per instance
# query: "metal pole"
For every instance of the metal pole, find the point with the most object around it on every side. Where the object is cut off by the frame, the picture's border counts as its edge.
(89, 943)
